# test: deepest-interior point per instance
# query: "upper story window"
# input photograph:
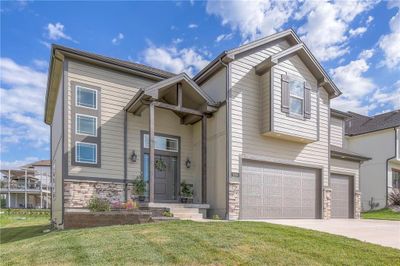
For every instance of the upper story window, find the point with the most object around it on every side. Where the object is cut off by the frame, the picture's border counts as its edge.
(86, 152)
(296, 97)
(86, 125)
(162, 143)
(86, 97)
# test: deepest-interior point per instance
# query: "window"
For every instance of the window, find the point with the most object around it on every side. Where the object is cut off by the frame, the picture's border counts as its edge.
(86, 152)
(86, 125)
(86, 97)
(395, 178)
(296, 97)
(162, 143)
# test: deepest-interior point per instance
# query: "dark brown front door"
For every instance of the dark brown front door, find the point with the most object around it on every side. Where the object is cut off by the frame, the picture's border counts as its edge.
(165, 177)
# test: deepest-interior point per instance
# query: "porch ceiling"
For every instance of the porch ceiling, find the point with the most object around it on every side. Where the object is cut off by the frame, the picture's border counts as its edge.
(178, 94)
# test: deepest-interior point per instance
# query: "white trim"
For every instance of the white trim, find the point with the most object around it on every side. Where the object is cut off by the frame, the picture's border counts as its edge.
(76, 152)
(84, 134)
(76, 97)
(297, 115)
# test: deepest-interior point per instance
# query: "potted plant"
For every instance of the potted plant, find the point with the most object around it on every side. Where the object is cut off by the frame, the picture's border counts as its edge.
(186, 193)
(140, 187)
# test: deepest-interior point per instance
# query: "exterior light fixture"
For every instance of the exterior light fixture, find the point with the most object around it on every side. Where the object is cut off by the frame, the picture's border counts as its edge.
(188, 163)
(133, 156)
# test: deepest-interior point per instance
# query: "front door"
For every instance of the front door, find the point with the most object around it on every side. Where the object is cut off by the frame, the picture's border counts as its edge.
(166, 177)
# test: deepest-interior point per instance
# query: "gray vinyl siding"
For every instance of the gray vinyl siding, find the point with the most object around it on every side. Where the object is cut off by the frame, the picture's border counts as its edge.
(337, 132)
(56, 157)
(215, 86)
(265, 108)
(246, 116)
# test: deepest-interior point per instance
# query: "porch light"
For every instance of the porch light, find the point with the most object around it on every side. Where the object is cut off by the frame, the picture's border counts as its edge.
(133, 156)
(188, 163)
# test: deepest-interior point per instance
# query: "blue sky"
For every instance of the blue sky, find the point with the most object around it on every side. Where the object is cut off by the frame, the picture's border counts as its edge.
(358, 43)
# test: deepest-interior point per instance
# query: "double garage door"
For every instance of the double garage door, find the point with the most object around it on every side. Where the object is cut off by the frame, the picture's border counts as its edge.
(271, 190)
(279, 191)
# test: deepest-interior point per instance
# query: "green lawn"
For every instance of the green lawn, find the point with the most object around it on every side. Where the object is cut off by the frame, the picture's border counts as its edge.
(183, 243)
(382, 214)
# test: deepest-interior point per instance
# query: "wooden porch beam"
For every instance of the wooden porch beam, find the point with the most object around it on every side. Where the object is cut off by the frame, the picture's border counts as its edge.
(151, 152)
(176, 108)
(204, 159)
(190, 119)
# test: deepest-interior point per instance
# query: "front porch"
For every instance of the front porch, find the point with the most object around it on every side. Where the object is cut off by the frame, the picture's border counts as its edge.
(175, 110)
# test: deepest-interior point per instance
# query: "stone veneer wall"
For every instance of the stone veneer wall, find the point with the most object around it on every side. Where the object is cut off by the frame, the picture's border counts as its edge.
(357, 205)
(326, 197)
(78, 193)
(234, 200)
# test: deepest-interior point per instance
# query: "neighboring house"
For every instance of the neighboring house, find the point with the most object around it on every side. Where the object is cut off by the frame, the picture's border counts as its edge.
(250, 132)
(376, 137)
(27, 187)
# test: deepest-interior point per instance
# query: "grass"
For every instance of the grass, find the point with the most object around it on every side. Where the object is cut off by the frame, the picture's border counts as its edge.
(382, 214)
(184, 243)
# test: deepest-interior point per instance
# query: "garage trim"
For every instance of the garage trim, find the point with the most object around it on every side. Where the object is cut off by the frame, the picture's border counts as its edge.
(265, 159)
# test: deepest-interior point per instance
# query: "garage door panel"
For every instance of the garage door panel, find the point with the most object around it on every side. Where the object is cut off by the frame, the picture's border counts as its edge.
(285, 191)
(342, 199)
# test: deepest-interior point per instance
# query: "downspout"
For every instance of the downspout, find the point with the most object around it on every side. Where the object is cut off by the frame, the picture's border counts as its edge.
(228, 136)
(125, 155)
(387, 166)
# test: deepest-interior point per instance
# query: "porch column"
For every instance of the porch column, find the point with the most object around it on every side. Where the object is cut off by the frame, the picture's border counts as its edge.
(9, 187)
(26, 187)
(41, 188)
(151, 152)
(204, 159)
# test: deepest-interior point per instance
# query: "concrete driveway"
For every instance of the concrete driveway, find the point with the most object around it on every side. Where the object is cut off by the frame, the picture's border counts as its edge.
(385, 233)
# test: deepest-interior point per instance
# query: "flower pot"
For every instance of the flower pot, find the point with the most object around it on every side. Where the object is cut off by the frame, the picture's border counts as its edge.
(142, 198)
(184, 200)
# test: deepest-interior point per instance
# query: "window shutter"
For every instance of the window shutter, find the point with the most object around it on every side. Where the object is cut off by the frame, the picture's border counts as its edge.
(307, 100)
(285, 94)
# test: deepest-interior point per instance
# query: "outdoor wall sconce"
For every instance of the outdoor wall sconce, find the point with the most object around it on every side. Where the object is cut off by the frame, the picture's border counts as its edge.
(133, 156)
(188, 163)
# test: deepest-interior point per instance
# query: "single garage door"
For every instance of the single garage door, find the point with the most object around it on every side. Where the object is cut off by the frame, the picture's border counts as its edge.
(342, 196)
(279, 191)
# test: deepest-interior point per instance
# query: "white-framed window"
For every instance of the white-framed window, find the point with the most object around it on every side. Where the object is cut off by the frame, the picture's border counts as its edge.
(296, 97)
(86, 97)
(86, 125)
(162, 143)
(85, 152)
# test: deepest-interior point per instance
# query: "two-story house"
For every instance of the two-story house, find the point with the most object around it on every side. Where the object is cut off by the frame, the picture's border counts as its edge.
(251, 132)
(378, 138)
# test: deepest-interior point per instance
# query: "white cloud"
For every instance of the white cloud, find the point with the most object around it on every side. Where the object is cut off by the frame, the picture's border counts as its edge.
(177, 41)
(326, 28)
(22, 96)
(193, 26)
(56, 32)
(252, 18)
(358, 31)
(369, 20)
(390, 43)
(355, 86)
(41, 64)
(17, 163)
(117, 39)
(189, 60)
(224, 37)
(389, 96)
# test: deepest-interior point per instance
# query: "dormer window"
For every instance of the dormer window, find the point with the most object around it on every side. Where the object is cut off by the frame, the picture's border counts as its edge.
(296, 97)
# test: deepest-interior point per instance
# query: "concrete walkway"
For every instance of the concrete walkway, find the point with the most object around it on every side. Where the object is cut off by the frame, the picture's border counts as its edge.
(385, 233)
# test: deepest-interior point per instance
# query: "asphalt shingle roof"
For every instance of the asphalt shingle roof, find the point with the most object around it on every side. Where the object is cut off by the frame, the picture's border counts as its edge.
(361, 124)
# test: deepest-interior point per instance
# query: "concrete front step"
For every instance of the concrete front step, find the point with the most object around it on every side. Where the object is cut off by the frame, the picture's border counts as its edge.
(188, 215)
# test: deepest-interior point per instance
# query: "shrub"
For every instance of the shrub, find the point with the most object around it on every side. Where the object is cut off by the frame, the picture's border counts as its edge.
(168, 214)
(139, 185)
(216, 217)
(186, 190)
(98, 205)
(394, 197)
